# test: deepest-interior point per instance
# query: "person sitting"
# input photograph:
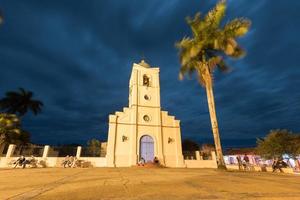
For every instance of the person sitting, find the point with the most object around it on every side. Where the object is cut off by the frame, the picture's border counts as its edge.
(282, 163)
(26, 162)
(71, 161)
(20, 161)
(32, 161)
(74, 162)
(66, 161)
(156, 161)
(278, 164)
(141, 162)
(275, 165)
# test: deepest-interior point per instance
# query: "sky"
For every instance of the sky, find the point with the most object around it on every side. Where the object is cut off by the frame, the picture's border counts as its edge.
(76, 56)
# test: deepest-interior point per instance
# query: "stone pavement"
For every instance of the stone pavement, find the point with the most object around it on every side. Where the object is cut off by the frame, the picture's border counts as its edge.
(145, 183)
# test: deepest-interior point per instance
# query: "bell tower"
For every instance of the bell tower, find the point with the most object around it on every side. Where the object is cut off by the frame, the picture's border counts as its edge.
(143, 130)
(144, 90)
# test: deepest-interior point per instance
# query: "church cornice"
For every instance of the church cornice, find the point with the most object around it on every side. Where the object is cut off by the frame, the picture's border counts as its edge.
(137, 66)
(152, 125)
(145, 106)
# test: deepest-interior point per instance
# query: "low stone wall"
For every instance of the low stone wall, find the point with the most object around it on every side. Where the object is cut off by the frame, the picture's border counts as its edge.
(50, 161)
(56, 161)
(201, 164)
(100, 161)
(259, 169)
(95, 161)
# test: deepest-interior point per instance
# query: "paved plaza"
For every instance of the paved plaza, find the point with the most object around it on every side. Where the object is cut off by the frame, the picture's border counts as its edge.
(145, 183)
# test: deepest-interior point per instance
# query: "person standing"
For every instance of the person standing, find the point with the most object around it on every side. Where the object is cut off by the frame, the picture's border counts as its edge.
(247, 164)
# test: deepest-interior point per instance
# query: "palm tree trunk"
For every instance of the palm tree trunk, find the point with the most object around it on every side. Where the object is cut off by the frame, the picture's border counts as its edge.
(2, 143)
(214, 122)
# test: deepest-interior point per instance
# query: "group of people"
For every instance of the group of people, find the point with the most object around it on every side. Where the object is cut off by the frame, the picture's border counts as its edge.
(22, 161)
(244, 164)
(70, 161)
(278, 164)
(142, 161)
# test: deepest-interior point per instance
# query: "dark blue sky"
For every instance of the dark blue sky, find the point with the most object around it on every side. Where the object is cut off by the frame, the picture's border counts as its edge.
(76, 56)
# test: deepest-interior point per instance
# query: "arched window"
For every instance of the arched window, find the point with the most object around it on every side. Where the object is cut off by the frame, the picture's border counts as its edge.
(146, 81)
(146, 97)
(146, 118)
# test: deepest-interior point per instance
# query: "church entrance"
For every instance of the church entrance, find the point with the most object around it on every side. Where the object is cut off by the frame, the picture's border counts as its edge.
(147, 148)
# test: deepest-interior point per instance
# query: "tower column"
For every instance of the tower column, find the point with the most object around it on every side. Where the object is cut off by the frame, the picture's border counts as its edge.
(111, 141)
(134, 141)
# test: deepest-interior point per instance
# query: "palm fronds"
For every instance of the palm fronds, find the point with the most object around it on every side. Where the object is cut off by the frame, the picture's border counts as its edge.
(19, 102)
(210, 42)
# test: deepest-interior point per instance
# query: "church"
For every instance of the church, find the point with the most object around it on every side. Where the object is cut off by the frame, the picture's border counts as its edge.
(142, 130)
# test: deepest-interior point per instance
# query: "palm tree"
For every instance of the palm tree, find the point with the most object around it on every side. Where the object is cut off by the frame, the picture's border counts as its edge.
(9, 128)
(205, 51)
(11, 131)
(20, 102)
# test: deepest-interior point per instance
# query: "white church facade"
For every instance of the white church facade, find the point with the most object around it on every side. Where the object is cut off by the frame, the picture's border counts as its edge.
(143, 130)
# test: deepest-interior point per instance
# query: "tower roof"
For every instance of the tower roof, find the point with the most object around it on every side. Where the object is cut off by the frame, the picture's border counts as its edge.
(144, 64)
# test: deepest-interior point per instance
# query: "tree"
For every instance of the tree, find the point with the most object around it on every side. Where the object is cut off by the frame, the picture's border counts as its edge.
(204, 52)
(207, 148)
(190, 145)
(294, 147)
(20, 102)
(94, 147)
(277, 143)
(10, 130)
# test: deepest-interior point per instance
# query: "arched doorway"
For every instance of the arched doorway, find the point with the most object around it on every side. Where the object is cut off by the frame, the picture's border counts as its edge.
(147, 148)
